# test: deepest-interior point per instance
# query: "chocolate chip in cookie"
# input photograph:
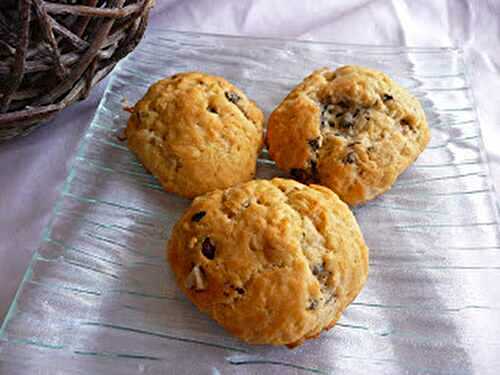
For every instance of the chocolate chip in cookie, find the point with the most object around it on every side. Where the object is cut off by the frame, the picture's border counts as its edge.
(314, 143)
(232, 97)
(198, 216)
(312, 304)
(299, 174)
(208, 248)
(350, 158)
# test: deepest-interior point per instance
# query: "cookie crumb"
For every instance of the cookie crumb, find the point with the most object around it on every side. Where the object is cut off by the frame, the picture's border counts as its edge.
(121, 135)
(126, 105)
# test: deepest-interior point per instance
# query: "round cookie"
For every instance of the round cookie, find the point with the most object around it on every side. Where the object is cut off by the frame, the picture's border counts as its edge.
(353, 130)
(196, 133)
(272, 261)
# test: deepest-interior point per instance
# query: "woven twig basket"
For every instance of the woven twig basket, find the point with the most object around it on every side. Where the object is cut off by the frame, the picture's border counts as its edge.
(53, 52)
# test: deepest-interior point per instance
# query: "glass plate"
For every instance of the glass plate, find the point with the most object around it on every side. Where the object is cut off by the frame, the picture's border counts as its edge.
(98, 296)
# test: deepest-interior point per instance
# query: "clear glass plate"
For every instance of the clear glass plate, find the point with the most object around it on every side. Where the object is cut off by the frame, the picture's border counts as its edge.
(98, 296)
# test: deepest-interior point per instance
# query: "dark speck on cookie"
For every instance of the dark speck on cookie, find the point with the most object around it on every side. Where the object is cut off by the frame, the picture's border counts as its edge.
(198, 216)
(314, 143)
(232, 97)
(317, 269)
(298, 174)
(312, 304)
(387, 97)
(350, 158)
(208, 248)
(331, 297)
(314, 168)
(347, 121)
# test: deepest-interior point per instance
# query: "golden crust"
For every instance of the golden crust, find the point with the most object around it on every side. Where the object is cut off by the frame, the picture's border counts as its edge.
(353, 130)
(272, 261)
(196, 133)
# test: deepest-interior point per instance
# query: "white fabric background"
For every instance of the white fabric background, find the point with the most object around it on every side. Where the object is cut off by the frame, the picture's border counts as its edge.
(33, 168)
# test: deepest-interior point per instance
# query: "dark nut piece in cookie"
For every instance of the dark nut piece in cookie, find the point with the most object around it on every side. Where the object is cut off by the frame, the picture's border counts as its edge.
(350, 158)
(315, 143)
(198, 216)
(208, 248)
(232, 97)
(196, 279)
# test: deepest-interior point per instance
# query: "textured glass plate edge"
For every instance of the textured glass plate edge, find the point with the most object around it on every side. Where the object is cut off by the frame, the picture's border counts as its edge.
(434, 49)
(72, 163)
(155, 32)
(62, 189)
(484, 157)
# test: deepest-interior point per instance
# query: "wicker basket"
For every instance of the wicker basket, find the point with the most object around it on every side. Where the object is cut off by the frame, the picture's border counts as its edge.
(53, 52)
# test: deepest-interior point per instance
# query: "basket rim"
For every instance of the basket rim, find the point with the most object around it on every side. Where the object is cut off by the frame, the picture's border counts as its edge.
(39, 80)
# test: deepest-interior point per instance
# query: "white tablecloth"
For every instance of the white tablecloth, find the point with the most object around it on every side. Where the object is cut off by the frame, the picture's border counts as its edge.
(33, 168)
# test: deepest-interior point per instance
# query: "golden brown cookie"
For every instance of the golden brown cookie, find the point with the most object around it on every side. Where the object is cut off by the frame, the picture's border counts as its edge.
(272, 261)
(196, 133)
(353, 130)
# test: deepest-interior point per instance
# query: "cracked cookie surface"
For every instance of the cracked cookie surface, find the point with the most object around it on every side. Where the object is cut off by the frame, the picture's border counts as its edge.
(353, 130)
(196, 133)
(272, 261)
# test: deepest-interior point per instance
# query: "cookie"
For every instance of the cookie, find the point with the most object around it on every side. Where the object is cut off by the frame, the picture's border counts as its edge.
(196, 133)
(353, 130)
(272, 261)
